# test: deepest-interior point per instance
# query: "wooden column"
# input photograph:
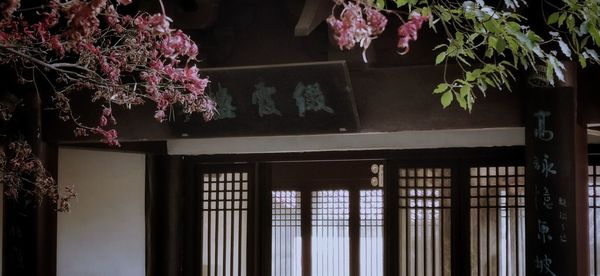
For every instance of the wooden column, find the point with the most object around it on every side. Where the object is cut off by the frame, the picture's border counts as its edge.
(556, 148)
(30, 228)
(164, 212)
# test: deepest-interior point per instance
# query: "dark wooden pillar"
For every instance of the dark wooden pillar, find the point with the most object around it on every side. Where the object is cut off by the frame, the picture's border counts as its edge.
(556, 146)
(45, 218)
(164, 214)
(30, 228)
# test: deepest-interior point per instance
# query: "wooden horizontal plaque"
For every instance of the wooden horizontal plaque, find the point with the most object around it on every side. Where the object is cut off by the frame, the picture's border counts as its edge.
(305, 98)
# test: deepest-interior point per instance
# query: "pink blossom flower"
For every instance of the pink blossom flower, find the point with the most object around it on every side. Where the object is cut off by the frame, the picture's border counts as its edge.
(112, 17)
(376, 21)
(178, 44)
(103, 121)
(357, 24)
(158, 22)
(408, 31)
(127, 60)
(157, 65)
(160, 115)
(56, 45)
(78, 132)
(125, 2)
(110, 136)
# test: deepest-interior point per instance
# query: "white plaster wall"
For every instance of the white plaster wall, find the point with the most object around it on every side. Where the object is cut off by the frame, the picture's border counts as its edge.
(104, 234)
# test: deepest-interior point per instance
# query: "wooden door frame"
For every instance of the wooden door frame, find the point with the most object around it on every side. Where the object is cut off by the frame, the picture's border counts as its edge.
(352, 185)
(458, 159)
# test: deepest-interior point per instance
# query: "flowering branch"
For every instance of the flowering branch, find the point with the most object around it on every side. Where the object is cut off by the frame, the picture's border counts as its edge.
(489, 44)
(22, 172)
(122, 60)
(86, 47)
(360, 22)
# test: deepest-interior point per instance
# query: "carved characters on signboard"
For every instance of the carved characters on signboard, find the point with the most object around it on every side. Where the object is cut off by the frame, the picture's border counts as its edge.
(540, 131)
(562, 217)
(544, 166)
(552, 207)
(307, 97)
(547, 199)
(225, 108)
(544, 231)
(263, 97)
(543, 265)
(310, 98)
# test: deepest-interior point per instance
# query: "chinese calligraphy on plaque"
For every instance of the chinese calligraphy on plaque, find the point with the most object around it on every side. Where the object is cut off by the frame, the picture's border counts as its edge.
(307, 97)
(310, 98)
(263, 97)
(280, 99)
(225, 108)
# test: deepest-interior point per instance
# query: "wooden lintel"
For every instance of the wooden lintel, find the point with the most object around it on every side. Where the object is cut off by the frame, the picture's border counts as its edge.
(313, 13)
(593, 132)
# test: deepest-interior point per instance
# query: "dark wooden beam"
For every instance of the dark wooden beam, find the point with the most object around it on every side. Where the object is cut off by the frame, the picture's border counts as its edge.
(147, 147)
(313, 14)
(387, 100)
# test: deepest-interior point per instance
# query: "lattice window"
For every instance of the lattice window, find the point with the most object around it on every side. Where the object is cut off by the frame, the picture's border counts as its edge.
(286, 236)
(224, 223)
(497, 211)
(594, 218)
(371, 232)
(330, 240)
(424, 221)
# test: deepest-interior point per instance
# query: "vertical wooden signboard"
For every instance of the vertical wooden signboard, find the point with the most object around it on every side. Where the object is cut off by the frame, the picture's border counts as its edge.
(553, 187)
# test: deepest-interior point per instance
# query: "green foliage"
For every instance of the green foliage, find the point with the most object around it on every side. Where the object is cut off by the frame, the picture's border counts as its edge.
(579, 23)
(490, 44)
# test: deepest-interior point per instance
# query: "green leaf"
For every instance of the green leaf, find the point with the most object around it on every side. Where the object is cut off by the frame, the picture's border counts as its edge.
(490, 26)
(447, 98)
(462, 102)
(489, 52)
(401, 3)
(463, 60)
(471, 76)
(549, 73)
(439, 46)
(562, 18)
(582, 61)
(442, 87)
(465, 90)
(492, 41)
(380, 4)
(460, 36)
(440, 58)
(446, 16)
(481, 85)
(595, 34)
(571, 23)
(564, 48)
(500, 45)
(553, 18)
